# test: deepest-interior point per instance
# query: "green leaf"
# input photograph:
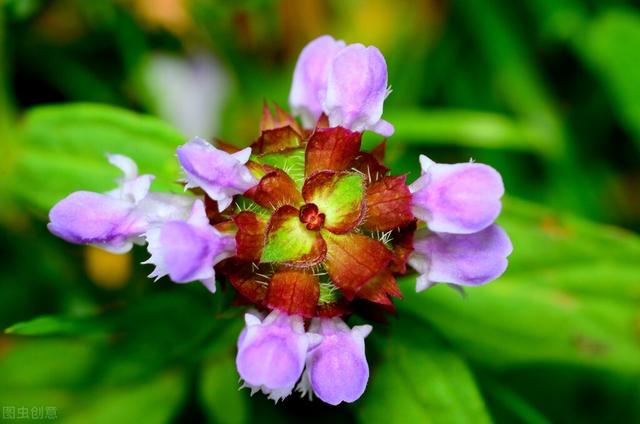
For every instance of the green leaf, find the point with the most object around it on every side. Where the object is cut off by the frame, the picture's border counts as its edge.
(63, 148)
(612, 47)
(419, 380)
(150, 401)
(221, 399)
(569, 297)
(50, 324)
(468, 128)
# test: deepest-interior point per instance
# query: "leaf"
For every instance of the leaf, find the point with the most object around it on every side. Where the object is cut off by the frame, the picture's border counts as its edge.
(63, 149)
(150, 401)
(50, 324)
(419, 380)
(468, 128)
(569, 297)
(612, 48)
(218, 393)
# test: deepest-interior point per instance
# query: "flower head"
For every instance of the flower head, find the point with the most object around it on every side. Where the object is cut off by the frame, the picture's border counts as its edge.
(306, 226)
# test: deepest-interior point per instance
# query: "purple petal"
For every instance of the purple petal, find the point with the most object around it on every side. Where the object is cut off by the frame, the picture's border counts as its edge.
(337, 369)
(90, 218)
(188, 250)
(356, 89)
(271, 353)
(463, 259)
(220, 174)
(310, 78)
(462, 198)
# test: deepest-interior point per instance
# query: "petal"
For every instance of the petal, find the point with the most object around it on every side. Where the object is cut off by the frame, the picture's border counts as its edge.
(331, 149)
(220, 174)
(464, 259)
(188, 250)
(356, 89)
(462, 198)
(271, 353)
(288, 241)
(353, 259)
(388, 204)
(340, 196)
(276, 189)
(250, 235)
(310, 78)
(90, 218)
(337, 369)
(295, 292)
(157, 208)
(277, 140)
(379, 288)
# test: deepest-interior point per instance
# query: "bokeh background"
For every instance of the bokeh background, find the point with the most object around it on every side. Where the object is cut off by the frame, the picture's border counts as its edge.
(546, 91)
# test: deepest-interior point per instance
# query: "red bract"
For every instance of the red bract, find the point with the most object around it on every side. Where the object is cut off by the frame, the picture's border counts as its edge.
(324, 226)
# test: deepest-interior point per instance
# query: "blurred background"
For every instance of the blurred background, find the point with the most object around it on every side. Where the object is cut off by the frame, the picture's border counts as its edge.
(546, 91)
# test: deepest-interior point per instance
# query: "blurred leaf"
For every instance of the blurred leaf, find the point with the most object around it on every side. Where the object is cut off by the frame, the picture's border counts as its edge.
(222, 400)
(219, 391)
(45, 363)
(612, 47)
(469, 129)
(49, 324)
(63, 149)
(151, 401)
(510, 405)
(419, 380)
(569, 297)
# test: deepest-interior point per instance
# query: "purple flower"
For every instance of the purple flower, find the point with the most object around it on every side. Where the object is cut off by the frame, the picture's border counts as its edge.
(188, 250)
(462, 198)
(220, 174)
(271, 353)
(337, 370)
(309, 86)
(117, 219)
(347, 83)
(461, 259)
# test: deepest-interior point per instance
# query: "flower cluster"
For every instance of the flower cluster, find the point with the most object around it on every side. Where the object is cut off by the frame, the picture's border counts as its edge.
(305, 226)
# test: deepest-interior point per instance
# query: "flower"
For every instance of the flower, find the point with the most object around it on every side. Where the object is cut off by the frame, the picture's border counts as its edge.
(220, 174)
(346, 83)
(461, 199)
(461, 259)
(271, 353)
(305, 226)
(337, 369)
(188, 250)
(117, 219)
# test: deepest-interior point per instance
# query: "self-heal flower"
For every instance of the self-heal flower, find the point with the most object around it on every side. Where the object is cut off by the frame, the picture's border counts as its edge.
(337, 370)
(118, 218)
(462, 198)
(188, 250)
(461, 259)
(346, 83)
(220, 174)
(271, 353)
(305, 226)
